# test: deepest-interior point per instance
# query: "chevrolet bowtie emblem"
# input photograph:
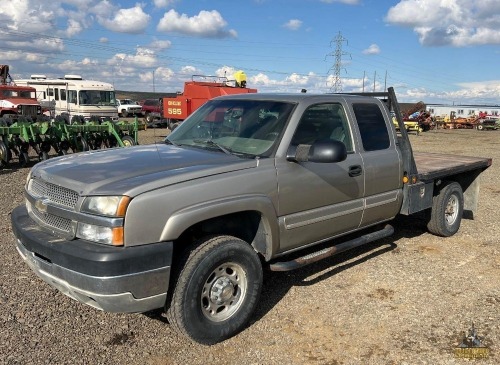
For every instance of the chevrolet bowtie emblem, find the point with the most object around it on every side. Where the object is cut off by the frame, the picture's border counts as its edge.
(41, 205)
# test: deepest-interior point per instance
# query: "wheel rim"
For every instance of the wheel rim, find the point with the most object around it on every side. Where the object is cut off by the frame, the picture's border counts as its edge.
(451, 212)
(223, 292)
(127, 142)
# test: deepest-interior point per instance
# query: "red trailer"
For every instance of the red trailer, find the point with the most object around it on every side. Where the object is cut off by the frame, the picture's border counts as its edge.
(196, 93)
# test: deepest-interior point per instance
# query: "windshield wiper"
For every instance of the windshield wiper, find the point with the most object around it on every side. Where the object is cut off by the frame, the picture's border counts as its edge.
(212, 143)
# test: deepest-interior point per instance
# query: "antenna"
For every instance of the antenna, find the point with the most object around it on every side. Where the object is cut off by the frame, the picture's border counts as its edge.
(337, 81)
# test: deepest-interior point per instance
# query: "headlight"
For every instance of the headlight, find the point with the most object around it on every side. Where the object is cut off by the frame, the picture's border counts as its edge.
(106, 235)
(110, 206)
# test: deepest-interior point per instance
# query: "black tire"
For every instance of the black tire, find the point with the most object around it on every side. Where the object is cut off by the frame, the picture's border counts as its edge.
(447, 210)
(174, 125)
(124, 113)
(43, 156)
(216, 290)
(5, 154)
(128, 141)
(150, 118)
(81, 145)
(480, 127)
(63, 148)
(23, 158)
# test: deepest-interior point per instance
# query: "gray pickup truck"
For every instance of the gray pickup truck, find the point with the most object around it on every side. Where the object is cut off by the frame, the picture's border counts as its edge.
(243, 184)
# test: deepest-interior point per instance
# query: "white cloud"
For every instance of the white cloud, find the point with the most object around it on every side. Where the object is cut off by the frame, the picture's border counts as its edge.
(373, 49)
(225, 71)
(457, 23)
(103, 40)
(33, 44)
(160, 44)
(293, 24)
(190, 70)
(163, 3)
(143, 58)
(22, 56)
(133, 20)
(208, 24)
(74, 27)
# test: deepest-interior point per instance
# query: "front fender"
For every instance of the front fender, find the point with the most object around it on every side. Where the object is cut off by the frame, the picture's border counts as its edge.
(181, 220)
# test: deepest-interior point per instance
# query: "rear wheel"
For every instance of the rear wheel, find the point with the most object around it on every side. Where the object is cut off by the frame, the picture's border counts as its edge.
(447, 210)
(216, 290)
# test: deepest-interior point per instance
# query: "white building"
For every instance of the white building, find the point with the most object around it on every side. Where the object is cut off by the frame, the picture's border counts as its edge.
(463, 111)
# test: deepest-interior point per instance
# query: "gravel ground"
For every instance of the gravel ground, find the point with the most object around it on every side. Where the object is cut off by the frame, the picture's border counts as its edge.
(403, 300)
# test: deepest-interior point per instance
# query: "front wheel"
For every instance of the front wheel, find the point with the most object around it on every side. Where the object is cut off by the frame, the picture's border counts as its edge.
(447, 210)
(216, 290)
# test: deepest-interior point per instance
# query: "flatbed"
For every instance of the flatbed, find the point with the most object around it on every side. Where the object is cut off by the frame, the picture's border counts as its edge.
(432, 166)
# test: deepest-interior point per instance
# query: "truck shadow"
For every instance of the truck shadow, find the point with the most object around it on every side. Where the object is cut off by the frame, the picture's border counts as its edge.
(277, 284)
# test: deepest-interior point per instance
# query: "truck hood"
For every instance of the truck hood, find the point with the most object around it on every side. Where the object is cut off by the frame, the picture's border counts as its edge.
(134, 170)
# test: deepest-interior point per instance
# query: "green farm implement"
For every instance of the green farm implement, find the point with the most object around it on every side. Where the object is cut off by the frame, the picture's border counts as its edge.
(21, 135)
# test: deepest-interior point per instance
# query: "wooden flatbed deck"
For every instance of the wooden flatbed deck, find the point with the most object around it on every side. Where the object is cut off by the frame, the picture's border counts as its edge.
(431, 166)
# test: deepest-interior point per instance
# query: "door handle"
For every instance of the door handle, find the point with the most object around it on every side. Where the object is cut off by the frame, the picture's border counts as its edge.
(355, 170)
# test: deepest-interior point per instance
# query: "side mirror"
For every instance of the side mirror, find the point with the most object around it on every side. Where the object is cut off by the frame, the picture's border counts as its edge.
(319, 152)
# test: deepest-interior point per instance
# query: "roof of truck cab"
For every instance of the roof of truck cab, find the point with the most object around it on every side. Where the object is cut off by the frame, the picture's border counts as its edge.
(289, 97)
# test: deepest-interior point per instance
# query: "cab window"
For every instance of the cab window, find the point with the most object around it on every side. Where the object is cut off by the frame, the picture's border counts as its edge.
(372, 126)
(323, 122)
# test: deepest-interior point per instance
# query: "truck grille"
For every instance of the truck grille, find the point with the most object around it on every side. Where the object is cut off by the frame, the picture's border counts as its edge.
(59, 223)
(29, 110)
(54, 193)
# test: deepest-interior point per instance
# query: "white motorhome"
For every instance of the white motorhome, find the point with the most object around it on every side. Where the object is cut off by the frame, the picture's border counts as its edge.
(73, 96)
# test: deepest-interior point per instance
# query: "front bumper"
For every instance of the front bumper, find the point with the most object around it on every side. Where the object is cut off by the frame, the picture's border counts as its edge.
(113, 279)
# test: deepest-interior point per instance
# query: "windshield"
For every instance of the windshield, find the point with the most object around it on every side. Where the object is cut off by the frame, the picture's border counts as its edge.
(18, 93)
(96, 97)
(248, 128)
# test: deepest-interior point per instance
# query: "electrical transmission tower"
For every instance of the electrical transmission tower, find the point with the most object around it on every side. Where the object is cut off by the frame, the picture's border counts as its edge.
(337, 81)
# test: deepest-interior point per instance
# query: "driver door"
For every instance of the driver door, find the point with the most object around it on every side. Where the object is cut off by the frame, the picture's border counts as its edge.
(320, 200)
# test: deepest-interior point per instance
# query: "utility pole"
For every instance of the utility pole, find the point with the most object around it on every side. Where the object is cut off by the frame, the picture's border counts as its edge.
(153, 80)
(337, 81)
(364, 75)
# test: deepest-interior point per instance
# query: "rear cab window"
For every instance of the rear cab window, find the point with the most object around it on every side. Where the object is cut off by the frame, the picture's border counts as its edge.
(372, 126)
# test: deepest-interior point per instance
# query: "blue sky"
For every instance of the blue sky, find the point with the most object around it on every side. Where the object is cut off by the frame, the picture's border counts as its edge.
(432, 50)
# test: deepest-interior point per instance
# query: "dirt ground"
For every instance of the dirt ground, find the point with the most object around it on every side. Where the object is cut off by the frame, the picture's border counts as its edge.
(406, 299)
